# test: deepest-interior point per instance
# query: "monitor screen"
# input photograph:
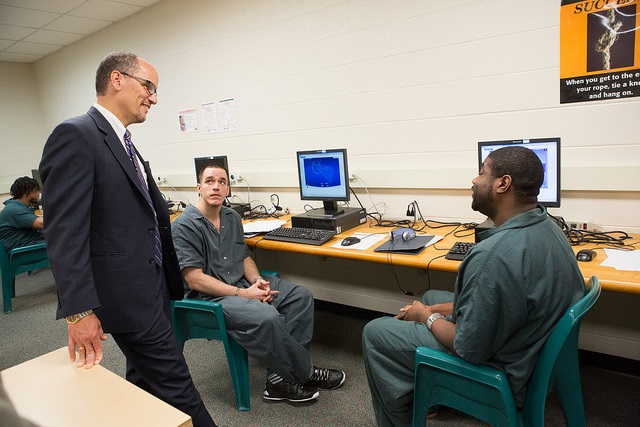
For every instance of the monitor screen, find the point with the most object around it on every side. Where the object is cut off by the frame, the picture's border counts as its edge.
(323, 175)
(548, 151)
(201, 162)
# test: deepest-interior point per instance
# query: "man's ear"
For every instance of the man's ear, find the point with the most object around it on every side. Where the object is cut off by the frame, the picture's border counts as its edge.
(504, 183)
(115, 79)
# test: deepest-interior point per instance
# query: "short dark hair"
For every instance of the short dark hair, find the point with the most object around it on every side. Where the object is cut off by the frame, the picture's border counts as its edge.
(23, 185)
(212, 163)
(524, 167)
(121, 61)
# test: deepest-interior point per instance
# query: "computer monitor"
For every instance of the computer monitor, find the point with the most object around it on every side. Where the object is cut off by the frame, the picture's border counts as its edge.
(548, 151)
(36, 175)
(202, 162)
(324, 176)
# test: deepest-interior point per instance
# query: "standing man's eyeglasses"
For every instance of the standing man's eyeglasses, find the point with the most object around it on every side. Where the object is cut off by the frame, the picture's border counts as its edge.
(148, 84)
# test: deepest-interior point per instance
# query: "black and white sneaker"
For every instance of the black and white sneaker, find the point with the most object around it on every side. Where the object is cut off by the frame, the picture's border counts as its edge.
(279, 389)
(326, 379)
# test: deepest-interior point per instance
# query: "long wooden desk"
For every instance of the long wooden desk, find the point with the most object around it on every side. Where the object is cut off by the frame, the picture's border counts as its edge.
(433, 256)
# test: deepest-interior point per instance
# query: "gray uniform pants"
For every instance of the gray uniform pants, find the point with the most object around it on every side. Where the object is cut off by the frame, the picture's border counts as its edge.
(278, 333)
(389, 346)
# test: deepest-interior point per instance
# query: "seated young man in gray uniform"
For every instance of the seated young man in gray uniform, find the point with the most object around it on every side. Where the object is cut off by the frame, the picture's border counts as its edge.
(270, 317)
(511, 290)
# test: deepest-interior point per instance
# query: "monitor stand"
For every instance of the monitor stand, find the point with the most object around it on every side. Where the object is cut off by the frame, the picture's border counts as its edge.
(330, 210)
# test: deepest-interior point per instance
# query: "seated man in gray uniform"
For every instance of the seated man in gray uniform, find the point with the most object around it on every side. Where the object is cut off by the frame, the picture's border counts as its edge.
(270, 317)
(511, 290)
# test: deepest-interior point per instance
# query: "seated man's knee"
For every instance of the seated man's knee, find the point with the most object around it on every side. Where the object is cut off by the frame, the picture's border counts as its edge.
(271, 316)
(302, 291)
(302, 294)
(373, 330)
(433, 296)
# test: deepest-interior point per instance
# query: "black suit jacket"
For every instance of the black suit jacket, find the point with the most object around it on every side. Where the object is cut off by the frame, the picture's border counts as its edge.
(99, 228)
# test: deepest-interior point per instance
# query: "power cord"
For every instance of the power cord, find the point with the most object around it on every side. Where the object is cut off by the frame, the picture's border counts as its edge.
(578, 237)
(393, 270)
(275, 202)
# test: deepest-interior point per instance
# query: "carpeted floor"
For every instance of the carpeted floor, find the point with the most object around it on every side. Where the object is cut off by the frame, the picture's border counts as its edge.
(611, 399)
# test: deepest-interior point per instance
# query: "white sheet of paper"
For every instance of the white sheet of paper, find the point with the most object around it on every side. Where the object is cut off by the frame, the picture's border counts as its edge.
(262, 226)
(622, 260)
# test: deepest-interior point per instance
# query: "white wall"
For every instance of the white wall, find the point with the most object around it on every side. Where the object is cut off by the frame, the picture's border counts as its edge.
(22, 127)
(408, 87)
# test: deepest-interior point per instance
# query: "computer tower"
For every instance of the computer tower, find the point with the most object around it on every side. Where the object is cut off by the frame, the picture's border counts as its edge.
(350, 218)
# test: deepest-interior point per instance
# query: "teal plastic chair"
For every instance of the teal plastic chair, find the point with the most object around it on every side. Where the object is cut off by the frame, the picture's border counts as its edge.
(205, 319)
(484, 392)
(20, 260)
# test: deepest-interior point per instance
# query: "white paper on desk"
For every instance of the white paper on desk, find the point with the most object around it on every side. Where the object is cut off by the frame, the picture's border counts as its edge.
(366, 241)
(622, 260)
(262, 226)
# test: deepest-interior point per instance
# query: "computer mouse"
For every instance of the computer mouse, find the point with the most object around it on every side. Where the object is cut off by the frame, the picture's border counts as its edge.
(351, 240)
(585, 255)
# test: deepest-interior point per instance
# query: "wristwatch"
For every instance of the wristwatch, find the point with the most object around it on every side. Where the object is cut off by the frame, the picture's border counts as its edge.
(75, 317)
(433, 318)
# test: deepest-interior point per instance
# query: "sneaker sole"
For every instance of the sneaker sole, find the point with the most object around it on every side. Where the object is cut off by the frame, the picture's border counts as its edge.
(266, 396)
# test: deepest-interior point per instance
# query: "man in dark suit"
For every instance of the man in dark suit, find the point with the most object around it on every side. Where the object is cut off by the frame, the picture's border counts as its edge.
(109, 238)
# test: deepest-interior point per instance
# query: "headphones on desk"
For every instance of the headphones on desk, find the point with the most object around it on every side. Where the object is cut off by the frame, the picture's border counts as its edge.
(405, 234)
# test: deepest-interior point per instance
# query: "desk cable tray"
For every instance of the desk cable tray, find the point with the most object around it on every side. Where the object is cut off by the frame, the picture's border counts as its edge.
(308, 236)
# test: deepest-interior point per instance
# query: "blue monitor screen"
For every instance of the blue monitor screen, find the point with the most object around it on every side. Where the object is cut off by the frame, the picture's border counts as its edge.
(323, 175)
(322, 172)
(548, 151)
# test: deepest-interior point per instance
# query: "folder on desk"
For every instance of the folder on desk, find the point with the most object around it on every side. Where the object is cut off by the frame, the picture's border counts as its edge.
(411, 247)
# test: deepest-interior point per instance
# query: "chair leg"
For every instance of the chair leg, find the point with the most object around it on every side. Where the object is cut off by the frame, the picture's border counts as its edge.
(566, 381)
(8, 292)
(238, 360)
(569, 390)
(421, 396)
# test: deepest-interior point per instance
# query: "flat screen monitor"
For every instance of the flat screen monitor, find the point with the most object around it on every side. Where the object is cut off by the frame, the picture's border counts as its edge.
(548, 151)
(202, 162)
(36, 175)
(324, 176)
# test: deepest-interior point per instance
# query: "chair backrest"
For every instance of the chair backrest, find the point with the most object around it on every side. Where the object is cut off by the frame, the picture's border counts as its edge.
(25, 258)
(560, 349)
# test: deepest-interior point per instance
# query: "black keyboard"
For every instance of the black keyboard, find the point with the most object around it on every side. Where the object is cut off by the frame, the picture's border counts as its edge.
(308, 236)
(459, 250)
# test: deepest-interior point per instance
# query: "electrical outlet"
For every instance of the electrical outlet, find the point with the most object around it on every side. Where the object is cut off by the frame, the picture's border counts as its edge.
(237, 177)
(583, 226)
(161, 179)
(411, 210)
